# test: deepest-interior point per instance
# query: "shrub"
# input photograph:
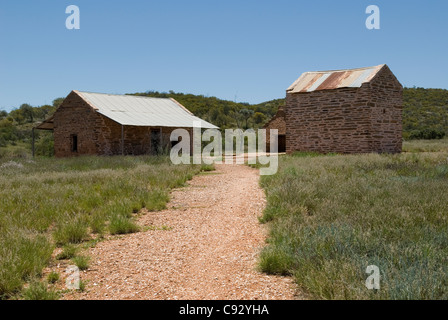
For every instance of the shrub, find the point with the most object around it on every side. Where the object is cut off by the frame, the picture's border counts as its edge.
(427, 134)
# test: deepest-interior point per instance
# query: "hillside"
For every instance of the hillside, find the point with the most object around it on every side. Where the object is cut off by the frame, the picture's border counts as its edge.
(425, 116)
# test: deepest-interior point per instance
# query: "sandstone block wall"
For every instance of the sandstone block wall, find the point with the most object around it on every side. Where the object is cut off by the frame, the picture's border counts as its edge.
(277, 122)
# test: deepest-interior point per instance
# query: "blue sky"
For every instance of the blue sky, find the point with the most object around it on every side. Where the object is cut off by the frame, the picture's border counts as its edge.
(246, 50)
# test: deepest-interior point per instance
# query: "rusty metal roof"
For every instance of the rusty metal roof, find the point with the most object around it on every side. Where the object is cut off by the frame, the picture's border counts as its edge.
(334, 79)
(143, 111)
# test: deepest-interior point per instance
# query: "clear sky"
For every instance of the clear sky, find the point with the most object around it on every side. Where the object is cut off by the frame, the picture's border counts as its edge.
(244, 50)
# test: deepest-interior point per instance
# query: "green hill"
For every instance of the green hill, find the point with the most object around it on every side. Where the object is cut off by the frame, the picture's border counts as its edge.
(425, 116)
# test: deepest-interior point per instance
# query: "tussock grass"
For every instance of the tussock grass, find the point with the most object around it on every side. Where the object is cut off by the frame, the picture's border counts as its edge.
(39, 291)
(68, 252)
(58, 202)
(332, 216)
(53, 277)
(120, 224)
(426, 145)
(82, 262)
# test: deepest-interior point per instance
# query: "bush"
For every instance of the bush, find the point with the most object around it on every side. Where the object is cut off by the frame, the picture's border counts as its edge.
(427, 134)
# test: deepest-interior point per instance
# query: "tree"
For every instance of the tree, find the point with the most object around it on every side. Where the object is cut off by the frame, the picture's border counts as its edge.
(246, 113)
(259, 118)
(17, 116)
(57, 102)
(27, 112)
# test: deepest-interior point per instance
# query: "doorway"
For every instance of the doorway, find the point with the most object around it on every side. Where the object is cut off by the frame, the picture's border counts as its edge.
(155, 141)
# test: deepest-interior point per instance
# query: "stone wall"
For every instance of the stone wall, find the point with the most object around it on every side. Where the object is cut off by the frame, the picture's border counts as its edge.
(386, 112)
(76, 117)
(277, 122)
(347, 120)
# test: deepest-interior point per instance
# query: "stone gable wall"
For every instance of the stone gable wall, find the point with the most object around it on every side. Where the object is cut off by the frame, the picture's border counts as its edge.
(277, 122)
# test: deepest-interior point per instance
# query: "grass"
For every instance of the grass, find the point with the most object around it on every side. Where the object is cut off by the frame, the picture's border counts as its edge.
(332, 216)
(82, 262)
(47, 202)
(120, 224)
(426, 145)
(39, 291)
(68, 251)
(53, 277)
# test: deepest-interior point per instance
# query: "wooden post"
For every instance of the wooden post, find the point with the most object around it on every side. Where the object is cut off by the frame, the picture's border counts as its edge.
(161, 141)
(32, 146)
(122, 140)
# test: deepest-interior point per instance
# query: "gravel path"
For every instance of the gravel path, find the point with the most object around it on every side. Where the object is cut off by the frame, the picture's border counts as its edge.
(204, 246)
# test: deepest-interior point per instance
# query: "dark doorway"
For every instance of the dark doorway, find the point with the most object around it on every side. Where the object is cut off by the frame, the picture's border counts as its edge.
(74, 142)
(282, 143)
(155, 141)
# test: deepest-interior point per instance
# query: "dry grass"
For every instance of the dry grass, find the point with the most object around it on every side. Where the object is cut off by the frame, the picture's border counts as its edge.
(55, 202)
(332, 216)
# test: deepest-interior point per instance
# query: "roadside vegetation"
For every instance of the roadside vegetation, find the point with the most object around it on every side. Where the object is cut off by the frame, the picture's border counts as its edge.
(332, 216)
(47, 203)
(425, 116)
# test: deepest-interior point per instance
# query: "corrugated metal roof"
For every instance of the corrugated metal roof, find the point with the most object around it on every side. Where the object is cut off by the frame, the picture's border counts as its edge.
(47, 124)
(334, 79)
(143, 111)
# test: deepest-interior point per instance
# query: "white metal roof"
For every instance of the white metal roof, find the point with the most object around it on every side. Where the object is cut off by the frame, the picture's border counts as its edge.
(143, 111)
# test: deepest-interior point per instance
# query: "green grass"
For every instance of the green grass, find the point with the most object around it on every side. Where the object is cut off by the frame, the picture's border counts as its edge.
(68, 252)
(47, 202)
(332, 216)
(39, 291)
(53, 277)
(120, 224)
(82, 262)
(426, 145)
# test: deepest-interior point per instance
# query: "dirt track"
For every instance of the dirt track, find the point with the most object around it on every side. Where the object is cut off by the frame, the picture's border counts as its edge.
(209, 250)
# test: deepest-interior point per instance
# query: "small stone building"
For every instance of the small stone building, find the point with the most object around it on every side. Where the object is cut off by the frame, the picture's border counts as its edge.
(104, 124)
(345, 111)
(278, 123)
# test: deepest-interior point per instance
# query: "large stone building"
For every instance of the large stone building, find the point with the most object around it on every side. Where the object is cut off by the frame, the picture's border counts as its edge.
(103, 124)
(345, 111)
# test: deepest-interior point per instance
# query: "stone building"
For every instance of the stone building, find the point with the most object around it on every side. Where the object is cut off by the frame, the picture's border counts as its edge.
(277, 122)
(103, 124)
(345, 111)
